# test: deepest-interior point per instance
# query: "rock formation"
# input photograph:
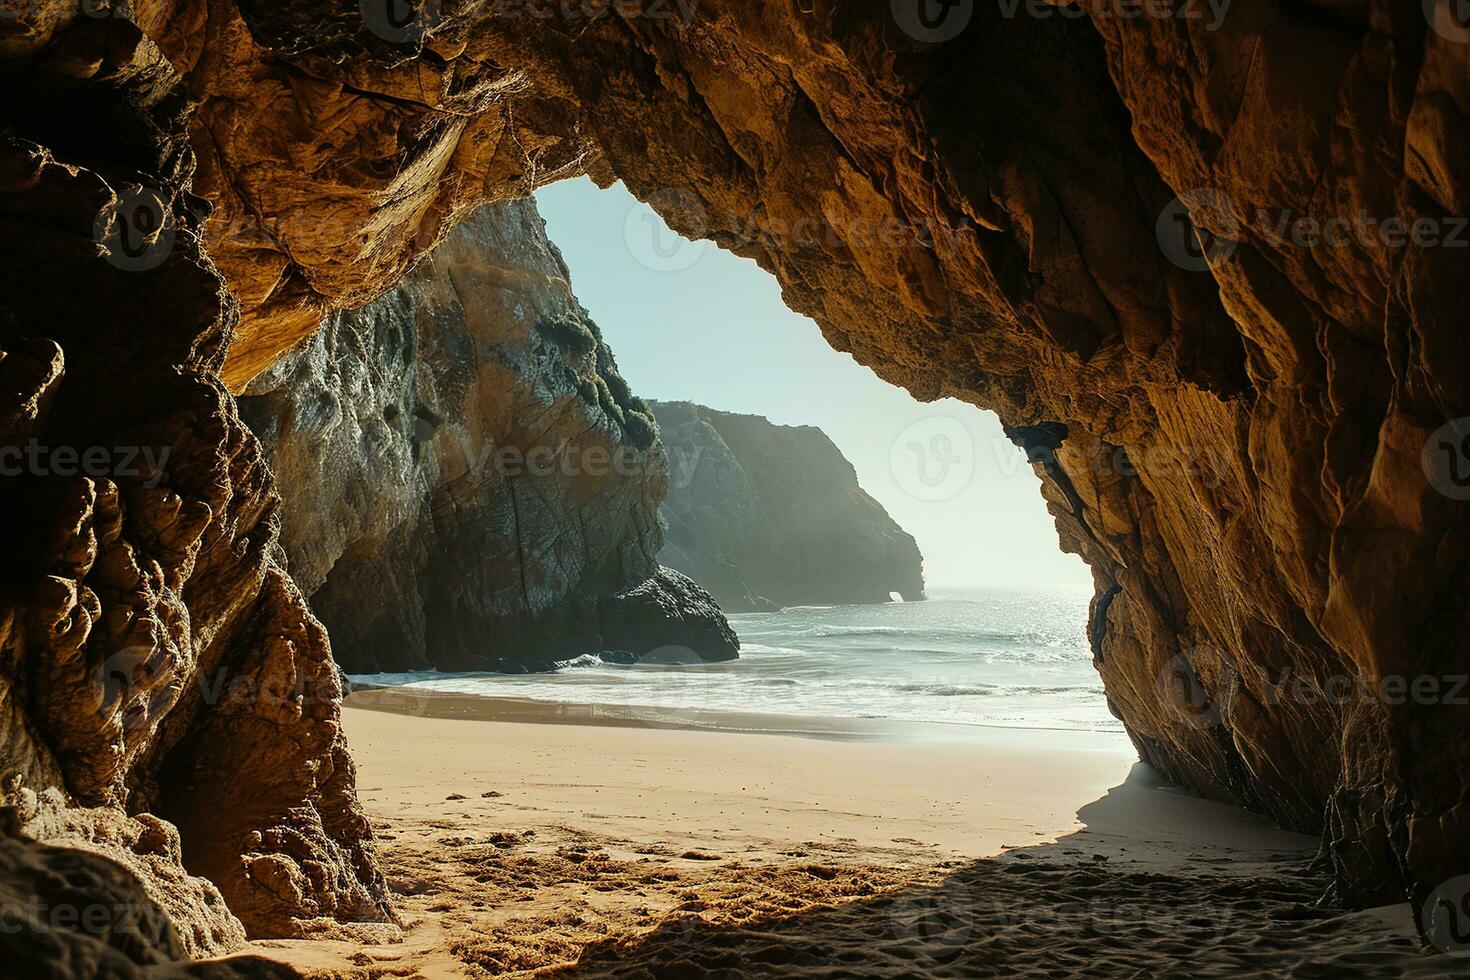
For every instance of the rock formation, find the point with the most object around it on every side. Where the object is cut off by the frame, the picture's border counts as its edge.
(468, 481)
(1205, 268)
(166, 702)
(769, 515)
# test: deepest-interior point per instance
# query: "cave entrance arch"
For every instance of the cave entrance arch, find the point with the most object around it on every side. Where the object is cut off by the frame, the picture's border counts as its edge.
(1308, 398)
(1064, 311)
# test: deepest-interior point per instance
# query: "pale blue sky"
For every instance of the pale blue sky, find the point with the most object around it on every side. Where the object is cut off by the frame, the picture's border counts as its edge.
(689, 321)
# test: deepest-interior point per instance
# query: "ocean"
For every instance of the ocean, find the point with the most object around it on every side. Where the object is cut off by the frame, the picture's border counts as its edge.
(998, 657)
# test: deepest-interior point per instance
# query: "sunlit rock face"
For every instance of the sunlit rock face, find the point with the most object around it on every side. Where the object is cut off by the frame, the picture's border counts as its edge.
(770, 515)
(468, 482)
(167, 704)
(989, 209)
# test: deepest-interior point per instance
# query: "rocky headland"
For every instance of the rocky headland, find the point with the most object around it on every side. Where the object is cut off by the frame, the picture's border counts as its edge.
(768, 515)
(467, 482)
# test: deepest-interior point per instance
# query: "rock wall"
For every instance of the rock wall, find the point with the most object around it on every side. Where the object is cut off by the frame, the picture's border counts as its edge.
(167, 704)
(1098, 227)
(468, 481)
(772, 515)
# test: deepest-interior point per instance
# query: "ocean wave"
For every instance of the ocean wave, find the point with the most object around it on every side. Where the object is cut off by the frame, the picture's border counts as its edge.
(1057, 689)
(947, 690)
(414, 678)
(747, 646)
(1025, 639)
(1018, 662)
(855, 632)
(965, 690)
(584, 661)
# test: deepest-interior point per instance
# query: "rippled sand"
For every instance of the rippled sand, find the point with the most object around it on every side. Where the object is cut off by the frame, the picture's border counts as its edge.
(580, 850)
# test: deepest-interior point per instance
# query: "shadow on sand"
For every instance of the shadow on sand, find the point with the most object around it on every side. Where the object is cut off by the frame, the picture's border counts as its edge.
(1159, 883)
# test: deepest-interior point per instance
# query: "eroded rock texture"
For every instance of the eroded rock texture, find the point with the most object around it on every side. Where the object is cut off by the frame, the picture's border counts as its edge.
(468, 481)
(772, 515)
(166, 701)
(69, 913)
(1233, 443)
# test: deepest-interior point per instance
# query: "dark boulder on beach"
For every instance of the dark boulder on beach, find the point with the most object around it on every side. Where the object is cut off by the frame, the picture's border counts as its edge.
(667, 619)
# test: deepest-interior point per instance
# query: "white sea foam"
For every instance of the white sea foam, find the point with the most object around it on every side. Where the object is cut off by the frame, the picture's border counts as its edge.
(1008, 657)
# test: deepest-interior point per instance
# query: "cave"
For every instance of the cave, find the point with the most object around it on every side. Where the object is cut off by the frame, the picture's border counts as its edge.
(1205, 271)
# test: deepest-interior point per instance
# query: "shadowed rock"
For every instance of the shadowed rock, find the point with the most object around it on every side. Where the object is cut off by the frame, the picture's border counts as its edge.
(166, 700)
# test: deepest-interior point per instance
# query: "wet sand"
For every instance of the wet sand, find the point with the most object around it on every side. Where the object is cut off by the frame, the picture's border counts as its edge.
(565, 843)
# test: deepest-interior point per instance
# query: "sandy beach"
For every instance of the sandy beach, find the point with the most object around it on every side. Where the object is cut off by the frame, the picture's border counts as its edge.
(558, 844)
